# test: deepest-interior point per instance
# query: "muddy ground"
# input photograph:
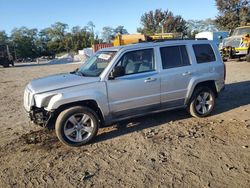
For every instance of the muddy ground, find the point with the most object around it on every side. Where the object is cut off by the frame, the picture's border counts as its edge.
(170, 149)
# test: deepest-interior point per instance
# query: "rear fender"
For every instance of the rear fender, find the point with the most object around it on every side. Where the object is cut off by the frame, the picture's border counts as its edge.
(197, 80)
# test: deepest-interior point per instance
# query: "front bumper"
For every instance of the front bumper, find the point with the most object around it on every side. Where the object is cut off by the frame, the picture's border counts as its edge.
(231, 52)
(241, 51)
(40, 116)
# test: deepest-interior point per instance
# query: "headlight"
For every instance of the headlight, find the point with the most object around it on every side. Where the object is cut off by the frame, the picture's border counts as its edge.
(42, 100)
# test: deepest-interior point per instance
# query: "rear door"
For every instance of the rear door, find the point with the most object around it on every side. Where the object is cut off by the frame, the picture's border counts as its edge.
(138, 91)
(175, 75)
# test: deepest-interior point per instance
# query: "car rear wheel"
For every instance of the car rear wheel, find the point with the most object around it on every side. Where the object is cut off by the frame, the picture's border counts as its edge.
(77, 126)
(202, 102)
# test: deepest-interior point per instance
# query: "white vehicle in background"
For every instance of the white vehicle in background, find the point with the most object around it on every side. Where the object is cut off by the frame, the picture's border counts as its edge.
(217, 36)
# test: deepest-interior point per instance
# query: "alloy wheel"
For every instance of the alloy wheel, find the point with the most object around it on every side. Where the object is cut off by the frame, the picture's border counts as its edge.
(204, 102)
(78, 127)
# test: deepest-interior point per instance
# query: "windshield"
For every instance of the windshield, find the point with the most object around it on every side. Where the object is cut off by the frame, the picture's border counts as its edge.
(241, 31)
(96, 64)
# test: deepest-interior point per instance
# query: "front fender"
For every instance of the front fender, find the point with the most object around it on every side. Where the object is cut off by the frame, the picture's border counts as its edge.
(82, 94)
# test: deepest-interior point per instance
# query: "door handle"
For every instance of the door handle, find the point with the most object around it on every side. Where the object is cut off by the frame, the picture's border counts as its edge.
(187, 73)
(150, 80)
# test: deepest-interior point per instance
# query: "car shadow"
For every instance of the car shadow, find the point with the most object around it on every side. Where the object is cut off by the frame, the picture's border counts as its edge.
(138, 124)
(234, 96)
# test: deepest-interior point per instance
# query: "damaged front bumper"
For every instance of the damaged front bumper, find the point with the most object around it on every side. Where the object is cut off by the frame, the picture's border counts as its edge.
(41, 117)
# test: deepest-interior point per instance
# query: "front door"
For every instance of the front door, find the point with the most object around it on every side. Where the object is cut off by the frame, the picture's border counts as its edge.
(138, 91)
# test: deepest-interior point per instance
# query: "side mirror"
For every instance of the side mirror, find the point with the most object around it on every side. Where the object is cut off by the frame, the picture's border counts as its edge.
(117, 71)
(219, 37)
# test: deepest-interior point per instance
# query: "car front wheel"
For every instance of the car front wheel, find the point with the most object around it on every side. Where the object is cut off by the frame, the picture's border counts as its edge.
(202, 102)
(77, 126)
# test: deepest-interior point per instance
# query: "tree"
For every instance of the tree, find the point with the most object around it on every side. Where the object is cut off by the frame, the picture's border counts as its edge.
(196, 26)
(90, 27)
(159, 21)
(107, 34)
(42, 43)
(56, 34)
(62, 41)
(81, 38)
(24, 40)
(58, 30)
(49, 41)
(232, 13)
(3, 37)
(120, 30)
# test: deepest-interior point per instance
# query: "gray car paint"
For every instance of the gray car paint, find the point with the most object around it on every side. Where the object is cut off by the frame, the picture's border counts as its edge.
(128, 93)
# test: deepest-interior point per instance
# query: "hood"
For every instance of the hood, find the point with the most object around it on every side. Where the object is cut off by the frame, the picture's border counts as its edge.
(233, 41)
(59, 81)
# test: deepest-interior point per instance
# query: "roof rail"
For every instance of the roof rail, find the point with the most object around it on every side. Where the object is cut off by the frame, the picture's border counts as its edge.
(163, 40)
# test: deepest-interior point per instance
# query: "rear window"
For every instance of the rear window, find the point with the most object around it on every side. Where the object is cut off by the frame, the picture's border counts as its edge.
(174, 56)
(204, 53)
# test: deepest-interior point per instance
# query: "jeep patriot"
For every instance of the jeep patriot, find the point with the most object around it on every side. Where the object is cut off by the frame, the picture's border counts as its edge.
(127, 81)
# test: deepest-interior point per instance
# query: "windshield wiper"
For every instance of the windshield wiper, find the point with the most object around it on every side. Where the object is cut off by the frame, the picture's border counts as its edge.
(81, 73)
(75, 71)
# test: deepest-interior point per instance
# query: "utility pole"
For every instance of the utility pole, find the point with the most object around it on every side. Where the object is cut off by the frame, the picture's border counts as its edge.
(162, 26)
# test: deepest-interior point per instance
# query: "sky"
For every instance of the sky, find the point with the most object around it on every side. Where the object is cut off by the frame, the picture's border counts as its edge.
(42, 13)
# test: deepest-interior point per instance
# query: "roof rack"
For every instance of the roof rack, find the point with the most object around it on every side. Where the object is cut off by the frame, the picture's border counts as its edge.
(174, 39)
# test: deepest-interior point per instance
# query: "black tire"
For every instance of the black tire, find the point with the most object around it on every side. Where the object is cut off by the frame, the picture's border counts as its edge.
(64, 124)
(6, 64)
(199, 93)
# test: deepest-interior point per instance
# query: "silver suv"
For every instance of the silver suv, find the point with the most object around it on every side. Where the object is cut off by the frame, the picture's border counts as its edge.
(124, 82)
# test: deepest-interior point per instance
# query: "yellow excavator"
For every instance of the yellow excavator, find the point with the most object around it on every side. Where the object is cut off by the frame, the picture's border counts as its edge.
(124, 39)
(136, 38)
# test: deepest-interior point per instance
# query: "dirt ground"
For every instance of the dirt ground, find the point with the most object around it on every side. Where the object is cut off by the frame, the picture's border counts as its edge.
(170, 149)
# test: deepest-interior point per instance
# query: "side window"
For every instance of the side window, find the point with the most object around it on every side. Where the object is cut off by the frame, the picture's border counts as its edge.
(174, 56)
(138, 61)
(204, 53)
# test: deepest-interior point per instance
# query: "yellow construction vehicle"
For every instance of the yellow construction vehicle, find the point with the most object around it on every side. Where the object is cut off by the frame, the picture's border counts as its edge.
(237, 45)
(128, 39)
(135, 38)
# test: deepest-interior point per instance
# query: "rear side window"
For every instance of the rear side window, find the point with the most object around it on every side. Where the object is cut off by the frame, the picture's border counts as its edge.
(204, 53)
(174, 56)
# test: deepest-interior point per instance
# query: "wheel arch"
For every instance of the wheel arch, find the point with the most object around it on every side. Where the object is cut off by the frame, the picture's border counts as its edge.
(208, 83)
(92, 104)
